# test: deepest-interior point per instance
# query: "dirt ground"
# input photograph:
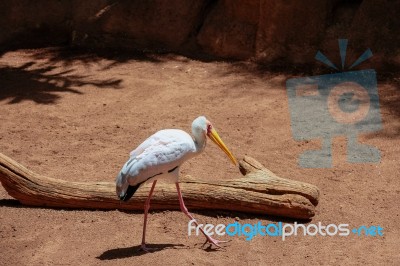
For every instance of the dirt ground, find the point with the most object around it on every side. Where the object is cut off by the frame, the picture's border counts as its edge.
(76, 116)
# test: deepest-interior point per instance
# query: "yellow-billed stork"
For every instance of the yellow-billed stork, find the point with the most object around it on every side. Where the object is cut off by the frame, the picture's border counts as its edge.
(159, 158)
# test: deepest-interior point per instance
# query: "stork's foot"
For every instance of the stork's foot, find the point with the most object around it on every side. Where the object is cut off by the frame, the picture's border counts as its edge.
(215, 242)
(144, 248)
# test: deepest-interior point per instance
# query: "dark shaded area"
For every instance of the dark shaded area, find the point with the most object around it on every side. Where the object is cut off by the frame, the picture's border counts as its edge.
(122, 253)
(36, 38)
(70, 55)
(40, 84)
(10, 203)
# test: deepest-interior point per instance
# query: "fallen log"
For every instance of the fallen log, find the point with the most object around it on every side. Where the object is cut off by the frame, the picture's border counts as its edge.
(260, 191)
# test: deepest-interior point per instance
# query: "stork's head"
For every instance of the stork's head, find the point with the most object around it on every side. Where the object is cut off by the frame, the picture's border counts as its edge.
(201, 127)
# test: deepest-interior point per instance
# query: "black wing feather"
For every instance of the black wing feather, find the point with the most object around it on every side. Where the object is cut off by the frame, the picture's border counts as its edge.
(129, 192)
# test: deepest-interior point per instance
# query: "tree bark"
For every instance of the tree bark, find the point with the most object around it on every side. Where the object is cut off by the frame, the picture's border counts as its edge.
(260, 191)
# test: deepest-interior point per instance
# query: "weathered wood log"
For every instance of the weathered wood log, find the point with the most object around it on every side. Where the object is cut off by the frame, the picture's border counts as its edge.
(260, 192)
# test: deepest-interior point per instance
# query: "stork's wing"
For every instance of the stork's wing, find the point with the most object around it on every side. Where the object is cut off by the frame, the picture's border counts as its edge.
(146, 144)
(158, 154)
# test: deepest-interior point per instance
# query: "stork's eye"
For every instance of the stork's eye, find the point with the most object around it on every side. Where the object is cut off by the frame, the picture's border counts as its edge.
(209, 128)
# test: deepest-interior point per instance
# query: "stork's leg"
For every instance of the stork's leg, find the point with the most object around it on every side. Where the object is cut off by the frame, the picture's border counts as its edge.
(146, 210)
(209, 239)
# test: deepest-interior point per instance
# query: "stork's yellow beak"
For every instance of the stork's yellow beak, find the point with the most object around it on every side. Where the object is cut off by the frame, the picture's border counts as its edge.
(217, 140)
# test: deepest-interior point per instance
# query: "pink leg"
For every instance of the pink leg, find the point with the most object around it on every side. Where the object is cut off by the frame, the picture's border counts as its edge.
(146, 210)
(209, 239)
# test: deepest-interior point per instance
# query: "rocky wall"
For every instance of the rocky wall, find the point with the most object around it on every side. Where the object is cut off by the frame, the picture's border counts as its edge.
(267, 31)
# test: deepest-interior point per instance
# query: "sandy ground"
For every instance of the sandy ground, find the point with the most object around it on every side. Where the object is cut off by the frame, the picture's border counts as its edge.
(77, 116)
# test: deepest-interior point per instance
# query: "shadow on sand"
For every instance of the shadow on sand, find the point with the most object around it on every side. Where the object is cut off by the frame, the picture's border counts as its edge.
(42, 84)
(121, 253)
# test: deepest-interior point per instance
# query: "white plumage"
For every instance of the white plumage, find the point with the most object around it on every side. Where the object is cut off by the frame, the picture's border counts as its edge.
(158, 157)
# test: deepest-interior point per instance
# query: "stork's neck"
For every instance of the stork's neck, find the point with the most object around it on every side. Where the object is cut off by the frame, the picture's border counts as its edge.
(199, 141)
